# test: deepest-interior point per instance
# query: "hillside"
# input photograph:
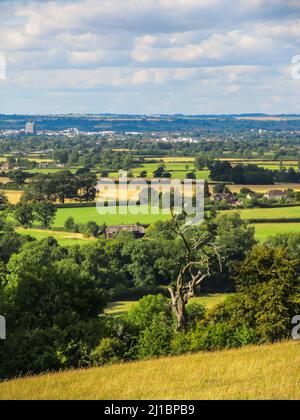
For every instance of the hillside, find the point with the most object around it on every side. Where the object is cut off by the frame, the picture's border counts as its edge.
(266, 372)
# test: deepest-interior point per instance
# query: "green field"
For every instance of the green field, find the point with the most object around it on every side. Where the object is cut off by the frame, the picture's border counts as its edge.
(63, 238)
(86, 214)
(263, 231)
(270, 213)
(208, 300)
(269, 372)
(46, 171)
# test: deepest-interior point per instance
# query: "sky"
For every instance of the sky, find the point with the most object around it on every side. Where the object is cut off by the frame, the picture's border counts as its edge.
(149, 56)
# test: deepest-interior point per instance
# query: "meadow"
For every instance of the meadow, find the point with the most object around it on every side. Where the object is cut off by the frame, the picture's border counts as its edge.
(269, 372)
(268, 213)
(208, 300)
(63, 238)
(46, 171)
(264, 231)
(85, 214)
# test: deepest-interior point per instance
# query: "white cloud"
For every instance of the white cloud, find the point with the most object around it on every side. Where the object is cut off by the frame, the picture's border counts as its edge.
(184, 48)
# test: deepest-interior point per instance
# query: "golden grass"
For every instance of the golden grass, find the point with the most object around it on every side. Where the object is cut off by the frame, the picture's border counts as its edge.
(266, 372)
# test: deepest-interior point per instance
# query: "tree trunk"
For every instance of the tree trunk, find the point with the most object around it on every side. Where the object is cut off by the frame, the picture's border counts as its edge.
(179, 308)
(181, 315)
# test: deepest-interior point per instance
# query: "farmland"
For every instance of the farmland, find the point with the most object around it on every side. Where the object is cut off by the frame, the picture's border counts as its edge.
(84, 215)
(13, 196)
(268, 372)
(269, 213)
(263, 188)
(263, 231)
(63, 238)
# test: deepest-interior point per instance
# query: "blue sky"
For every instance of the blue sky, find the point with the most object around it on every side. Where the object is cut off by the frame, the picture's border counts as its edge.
(149, 56)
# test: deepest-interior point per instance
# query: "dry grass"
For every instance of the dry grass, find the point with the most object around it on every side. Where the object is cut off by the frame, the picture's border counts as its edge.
(266, 372)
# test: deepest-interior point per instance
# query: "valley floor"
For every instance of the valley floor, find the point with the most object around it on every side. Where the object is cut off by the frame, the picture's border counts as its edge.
(265, 372)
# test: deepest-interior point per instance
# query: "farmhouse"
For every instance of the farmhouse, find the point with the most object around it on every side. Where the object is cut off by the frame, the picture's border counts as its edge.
(137, 230)
(227, 197)
(275, 195)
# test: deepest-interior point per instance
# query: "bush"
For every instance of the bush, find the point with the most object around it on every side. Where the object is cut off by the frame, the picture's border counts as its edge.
(148, 309)
(109, 351)
(181, 344)
(195, 313)
(155, 340)
(70, 224)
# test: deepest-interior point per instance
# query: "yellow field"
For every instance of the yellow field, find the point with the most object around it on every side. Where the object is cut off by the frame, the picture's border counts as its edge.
(4, 179)
(266, 372)
(172, 159)
(263, 188)
(14, 197)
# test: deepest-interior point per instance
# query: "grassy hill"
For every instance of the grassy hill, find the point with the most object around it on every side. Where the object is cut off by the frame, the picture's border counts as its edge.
(266, 372)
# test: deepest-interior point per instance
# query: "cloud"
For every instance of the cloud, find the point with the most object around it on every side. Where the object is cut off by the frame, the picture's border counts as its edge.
(140, 48)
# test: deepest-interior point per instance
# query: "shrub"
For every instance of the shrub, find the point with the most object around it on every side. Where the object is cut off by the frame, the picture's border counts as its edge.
(155, 340)
(109, 351)
(70, 224)
(148, 309)
(195, 313)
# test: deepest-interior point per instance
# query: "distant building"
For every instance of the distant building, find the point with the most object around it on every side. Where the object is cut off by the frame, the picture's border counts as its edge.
(136, 230)
(228, 197)
(275, 195)
(30, 127)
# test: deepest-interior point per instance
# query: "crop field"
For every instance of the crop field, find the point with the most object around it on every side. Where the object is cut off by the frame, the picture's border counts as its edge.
(208, 300)
(263, 188)
(86, 214)
(270, 213)
(187, 159)
(46, 171)
(40, 160)
(4, 179)
(269, 372)
(267, 164)
(63, 238)
(263, 231)
(13, 196)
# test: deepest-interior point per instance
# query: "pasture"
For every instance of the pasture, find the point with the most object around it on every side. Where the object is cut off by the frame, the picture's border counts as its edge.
(269, 372)
(63, 238)
(46, 171)
(208, 300)
(86, 214)
(263, 231)
(268, 213)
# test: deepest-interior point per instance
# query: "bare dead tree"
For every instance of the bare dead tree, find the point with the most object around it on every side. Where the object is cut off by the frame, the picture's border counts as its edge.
(200, 255)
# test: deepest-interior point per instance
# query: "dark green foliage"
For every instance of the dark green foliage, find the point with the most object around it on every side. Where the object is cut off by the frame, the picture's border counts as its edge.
(51, 306)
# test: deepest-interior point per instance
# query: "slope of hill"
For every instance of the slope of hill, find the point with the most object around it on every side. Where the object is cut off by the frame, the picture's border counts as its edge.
(266, 372)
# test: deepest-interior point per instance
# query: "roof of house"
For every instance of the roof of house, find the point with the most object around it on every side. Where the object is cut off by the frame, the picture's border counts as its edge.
(131, 228)
(276, 193)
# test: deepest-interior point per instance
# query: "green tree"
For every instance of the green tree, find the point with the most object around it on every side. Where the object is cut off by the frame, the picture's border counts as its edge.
(268, 281)
(52, 308)
(3, 199)
(45, 213)
(70, 224)
(24, 214)
(18, 176)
